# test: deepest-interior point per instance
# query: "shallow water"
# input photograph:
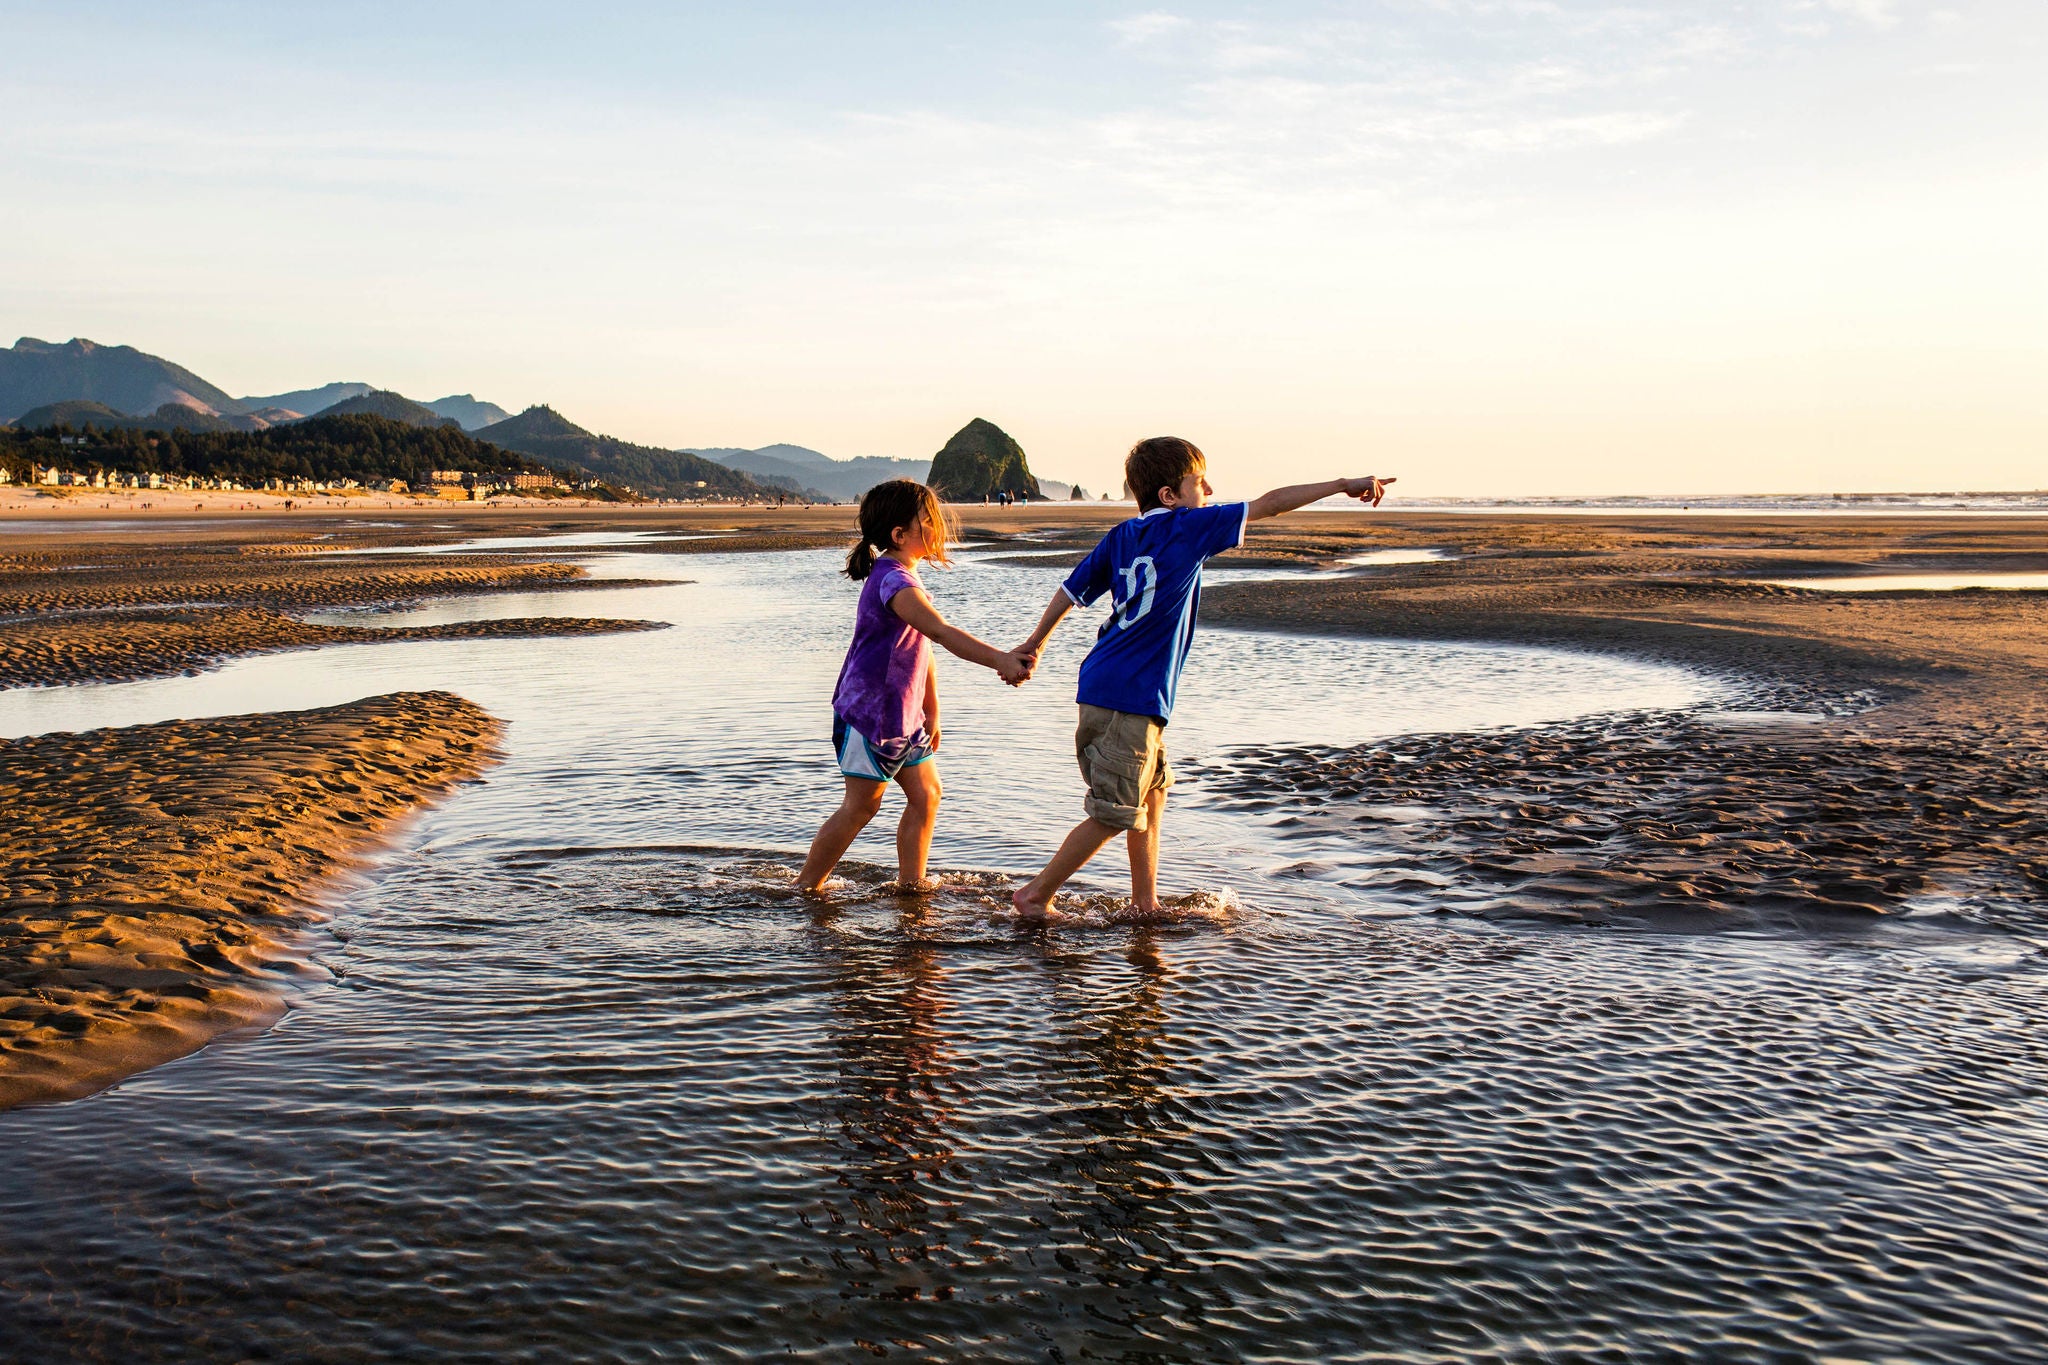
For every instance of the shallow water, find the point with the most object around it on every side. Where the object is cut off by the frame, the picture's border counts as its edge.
(589, 1081)
(1916, 582)
(1372, 559)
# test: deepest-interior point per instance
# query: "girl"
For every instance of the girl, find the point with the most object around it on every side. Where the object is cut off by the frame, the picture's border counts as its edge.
(885, 712)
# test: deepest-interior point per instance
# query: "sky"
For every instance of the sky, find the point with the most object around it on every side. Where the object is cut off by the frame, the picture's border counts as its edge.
(1494, 247)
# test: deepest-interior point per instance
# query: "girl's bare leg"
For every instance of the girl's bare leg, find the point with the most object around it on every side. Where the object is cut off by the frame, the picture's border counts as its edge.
(841, 828)
(920, 817)
(1144, 848)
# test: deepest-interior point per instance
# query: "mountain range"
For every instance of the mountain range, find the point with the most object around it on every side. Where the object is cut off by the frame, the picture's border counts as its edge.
(800, 469)
(81, 383)
(34, 373)
(128, 383)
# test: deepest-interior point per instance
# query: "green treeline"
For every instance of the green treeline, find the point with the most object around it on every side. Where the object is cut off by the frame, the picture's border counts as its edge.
(362, 447)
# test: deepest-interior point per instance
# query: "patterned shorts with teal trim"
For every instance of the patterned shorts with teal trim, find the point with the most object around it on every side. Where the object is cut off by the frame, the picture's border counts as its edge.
(858, 758)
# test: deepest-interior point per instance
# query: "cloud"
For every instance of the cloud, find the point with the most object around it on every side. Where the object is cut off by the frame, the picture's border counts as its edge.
(1144, 28)
(1877, 13)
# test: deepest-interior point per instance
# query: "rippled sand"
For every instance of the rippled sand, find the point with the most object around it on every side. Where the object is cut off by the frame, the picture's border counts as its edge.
(155, 875)
(1893, 753)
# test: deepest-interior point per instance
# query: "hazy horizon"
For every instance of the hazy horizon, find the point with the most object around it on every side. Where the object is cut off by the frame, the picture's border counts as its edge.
(1495, 247)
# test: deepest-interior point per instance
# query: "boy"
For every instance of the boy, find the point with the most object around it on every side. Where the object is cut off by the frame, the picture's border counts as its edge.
(1152, 567)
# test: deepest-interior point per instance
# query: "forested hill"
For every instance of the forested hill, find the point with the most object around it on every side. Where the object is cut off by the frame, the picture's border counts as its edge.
(384, 403)
(363, 447)
(548, 436)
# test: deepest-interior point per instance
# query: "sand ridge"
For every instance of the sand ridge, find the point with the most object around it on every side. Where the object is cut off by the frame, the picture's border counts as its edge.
(158, 877)
(115, 607)
(102, 577)
(123, 646)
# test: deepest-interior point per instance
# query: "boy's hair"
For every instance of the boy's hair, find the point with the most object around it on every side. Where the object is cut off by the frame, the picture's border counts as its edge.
(888, 508)
(1160, 462)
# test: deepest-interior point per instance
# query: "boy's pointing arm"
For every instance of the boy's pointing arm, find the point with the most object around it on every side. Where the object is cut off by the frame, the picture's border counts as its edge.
(1367, 489)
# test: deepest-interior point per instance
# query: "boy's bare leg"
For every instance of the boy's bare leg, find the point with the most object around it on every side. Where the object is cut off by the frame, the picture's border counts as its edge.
(920, 816)
(1083, 842)
(1144, 848)
(841, 828)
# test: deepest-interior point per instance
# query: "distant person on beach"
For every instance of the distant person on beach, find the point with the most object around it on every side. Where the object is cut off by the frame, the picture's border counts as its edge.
(885, 711)
(1151, 566)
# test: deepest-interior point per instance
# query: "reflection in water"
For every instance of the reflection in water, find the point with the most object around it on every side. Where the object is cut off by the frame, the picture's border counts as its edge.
(1082, 1226)
(1117, 1084)
(893, 1111)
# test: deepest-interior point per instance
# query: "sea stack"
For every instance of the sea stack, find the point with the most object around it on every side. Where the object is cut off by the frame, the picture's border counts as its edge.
(981, 461)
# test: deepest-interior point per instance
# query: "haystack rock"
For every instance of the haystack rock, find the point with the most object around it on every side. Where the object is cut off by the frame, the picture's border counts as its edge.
(980, 461)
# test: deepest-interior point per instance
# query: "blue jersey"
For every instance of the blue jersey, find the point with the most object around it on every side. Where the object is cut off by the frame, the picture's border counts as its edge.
(1152, 568)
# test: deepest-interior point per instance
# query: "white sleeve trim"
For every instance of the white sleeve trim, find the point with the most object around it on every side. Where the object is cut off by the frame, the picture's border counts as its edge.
(1243, 524)
(1070, 596)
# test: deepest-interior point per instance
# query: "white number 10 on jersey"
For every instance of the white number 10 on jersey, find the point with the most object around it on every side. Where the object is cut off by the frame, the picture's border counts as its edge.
(1138, 601)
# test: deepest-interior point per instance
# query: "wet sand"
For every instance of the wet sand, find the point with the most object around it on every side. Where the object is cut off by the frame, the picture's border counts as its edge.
(158, 876)
(1890, 752)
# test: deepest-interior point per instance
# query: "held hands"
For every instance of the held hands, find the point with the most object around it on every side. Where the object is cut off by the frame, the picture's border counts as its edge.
(1016, 667)
(1367, 489)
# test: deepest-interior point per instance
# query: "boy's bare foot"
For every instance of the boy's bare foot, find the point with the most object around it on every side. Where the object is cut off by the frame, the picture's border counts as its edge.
(922, 886)
(1027, 906)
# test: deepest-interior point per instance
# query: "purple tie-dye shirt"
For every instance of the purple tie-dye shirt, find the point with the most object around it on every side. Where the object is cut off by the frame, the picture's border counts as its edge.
(881, 684)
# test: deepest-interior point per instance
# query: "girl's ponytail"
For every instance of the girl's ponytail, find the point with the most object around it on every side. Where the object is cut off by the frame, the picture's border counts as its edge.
(886, 509)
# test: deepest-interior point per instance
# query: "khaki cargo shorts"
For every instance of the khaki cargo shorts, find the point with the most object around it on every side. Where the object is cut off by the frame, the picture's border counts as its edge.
(1123, 760)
